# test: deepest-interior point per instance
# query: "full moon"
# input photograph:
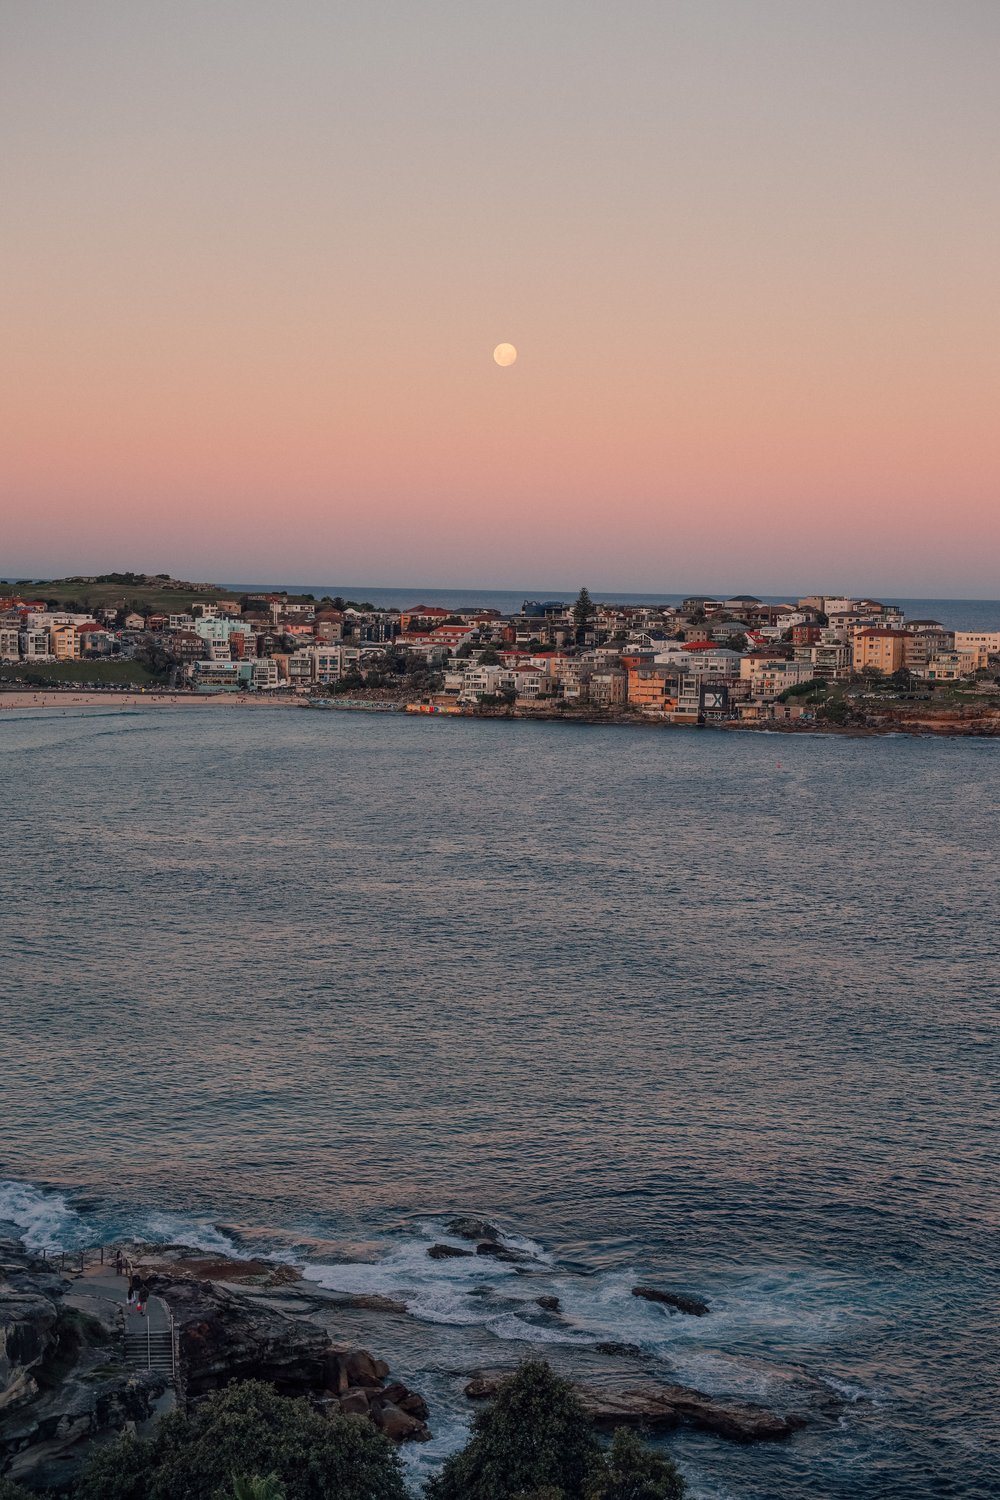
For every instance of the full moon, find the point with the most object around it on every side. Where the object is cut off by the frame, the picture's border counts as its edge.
(505, 354)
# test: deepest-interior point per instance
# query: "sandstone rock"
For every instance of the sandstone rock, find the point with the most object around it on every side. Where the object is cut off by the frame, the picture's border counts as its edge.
(692, 1305)
(549, 1304)
(659, 1407)
(354, 1402)
(363, 1369)
(473, 1229)
(225, 1337)
(447, 1252)
(399, 1425)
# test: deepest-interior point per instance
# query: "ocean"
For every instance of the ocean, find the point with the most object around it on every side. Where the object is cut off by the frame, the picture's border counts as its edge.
(712, 1010)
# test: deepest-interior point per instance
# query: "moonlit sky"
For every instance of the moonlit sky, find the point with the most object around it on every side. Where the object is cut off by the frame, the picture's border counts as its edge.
(255, 258)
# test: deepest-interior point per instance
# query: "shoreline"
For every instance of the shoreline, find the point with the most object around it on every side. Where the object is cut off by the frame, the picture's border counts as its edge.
(982, 725)
(95, 698)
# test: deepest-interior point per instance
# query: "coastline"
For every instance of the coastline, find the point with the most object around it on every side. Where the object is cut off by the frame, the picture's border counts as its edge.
(965, 723)
(49, 698)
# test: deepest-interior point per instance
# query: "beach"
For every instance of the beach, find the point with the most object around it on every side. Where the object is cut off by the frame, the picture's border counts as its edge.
(19, 700)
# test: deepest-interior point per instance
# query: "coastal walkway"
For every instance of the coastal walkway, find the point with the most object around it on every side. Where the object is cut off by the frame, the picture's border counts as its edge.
(148, 1339)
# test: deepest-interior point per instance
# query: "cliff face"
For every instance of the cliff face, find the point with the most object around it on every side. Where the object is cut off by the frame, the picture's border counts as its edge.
(921, 718)
(63, 1378)
(29, 1311)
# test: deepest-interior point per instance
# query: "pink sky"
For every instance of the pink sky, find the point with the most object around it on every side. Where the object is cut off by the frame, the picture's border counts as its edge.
(256, 258)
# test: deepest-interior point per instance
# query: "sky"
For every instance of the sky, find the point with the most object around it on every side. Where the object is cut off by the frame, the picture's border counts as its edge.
(255, 257)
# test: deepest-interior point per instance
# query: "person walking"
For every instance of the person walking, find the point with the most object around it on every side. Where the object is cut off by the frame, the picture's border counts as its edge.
(133, 1288)
(142, 1297)
(119, 1263)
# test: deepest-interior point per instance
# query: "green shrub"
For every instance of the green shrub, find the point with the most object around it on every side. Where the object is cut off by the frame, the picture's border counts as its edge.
(631, 1471)
(533, 1440)
(257, 1489)
(240, 1433)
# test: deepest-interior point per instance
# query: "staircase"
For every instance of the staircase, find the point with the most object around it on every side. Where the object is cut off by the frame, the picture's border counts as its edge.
(150, 1345)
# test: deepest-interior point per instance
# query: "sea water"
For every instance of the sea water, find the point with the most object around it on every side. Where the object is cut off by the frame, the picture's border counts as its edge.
(712, 1010)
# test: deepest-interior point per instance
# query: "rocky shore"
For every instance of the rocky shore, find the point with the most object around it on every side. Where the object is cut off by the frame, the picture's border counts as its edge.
(68, 1379)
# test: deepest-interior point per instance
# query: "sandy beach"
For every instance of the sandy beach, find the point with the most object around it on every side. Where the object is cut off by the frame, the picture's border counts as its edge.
(18, 700)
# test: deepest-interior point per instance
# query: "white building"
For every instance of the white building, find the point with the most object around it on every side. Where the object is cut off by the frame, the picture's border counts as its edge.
(34, 645)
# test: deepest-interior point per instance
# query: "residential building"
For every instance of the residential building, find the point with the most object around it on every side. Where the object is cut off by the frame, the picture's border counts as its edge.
(652, 689)
(879, 648)
(65, 643)
(982, 643)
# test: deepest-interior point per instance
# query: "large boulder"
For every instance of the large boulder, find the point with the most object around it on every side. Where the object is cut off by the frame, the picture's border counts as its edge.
(658, 1407)
(467, 1228)
(225, 1337)
(447, 1252)
(677, 1300)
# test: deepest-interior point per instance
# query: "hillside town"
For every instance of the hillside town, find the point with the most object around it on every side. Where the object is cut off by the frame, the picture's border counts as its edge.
(703, 660)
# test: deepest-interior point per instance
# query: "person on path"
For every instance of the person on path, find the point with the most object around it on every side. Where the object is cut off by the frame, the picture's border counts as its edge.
(142, 1296)
(133, 1289)
(119, 1263)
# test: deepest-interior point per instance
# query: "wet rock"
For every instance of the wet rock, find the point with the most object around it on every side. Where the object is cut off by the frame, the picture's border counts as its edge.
(659, 1407)
(481, 1387)
(691, 1305)
(447, 1252)
(502, 1252)
(370, 1302)
(473, 1229)
(625, 1351)
(549, 1304)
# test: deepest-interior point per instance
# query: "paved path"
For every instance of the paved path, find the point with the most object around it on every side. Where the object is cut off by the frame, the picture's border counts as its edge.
(101, 1283)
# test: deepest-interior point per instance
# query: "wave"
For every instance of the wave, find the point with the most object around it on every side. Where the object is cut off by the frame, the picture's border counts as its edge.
(45, 1219)
(497, 1299)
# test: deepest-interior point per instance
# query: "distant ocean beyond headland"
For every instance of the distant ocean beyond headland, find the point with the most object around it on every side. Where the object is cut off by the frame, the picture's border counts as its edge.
(954, 614)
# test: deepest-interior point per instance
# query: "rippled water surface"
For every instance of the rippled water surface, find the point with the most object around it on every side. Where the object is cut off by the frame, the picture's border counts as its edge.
(718, 1010)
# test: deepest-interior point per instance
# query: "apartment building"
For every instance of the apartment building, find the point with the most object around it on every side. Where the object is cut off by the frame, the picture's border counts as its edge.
(880, 648)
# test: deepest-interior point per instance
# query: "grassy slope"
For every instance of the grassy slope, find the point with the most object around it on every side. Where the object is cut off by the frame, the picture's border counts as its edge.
(73, 673)
(117, 595)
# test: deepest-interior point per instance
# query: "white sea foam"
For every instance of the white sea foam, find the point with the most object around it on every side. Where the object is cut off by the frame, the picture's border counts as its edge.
(177, 1229)
(42, 1220)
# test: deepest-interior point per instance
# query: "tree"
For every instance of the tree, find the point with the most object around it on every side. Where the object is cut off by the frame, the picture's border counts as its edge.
(631, 1471)
(533, 1437)
(11, 1491)
(257, 1489)
(584, 610)
(242, 1432)
(490, 657)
